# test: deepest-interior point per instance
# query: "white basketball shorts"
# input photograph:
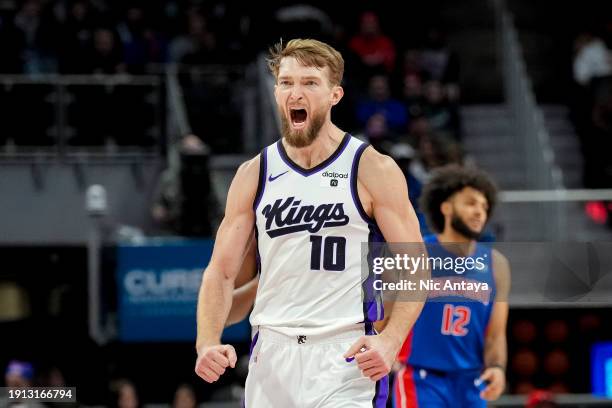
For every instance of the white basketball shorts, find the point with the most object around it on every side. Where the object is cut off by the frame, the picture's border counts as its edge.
(309, 372)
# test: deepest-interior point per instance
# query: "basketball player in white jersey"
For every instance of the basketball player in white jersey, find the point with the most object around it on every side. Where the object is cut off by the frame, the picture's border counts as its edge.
(310, 201)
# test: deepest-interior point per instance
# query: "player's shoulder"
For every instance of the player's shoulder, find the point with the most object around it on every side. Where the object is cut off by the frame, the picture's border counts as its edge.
(249, 169)
(246, 179)
(380, 175)
(501, 268)
(374, 162)
(500, 259)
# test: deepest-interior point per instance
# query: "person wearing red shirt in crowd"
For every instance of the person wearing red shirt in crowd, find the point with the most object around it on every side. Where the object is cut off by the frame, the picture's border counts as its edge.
(373, 48)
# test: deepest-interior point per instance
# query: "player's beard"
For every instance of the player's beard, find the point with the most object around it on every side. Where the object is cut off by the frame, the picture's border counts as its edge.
(303, 137)
(462, 228)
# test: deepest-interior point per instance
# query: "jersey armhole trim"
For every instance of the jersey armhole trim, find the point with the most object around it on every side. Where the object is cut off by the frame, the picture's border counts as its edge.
(354, 190)
(261, 183)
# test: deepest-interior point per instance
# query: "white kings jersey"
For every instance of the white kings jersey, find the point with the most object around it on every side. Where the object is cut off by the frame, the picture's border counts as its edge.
(310, 227)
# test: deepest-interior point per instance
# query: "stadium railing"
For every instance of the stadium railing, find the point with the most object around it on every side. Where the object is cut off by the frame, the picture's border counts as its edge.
(80, 116)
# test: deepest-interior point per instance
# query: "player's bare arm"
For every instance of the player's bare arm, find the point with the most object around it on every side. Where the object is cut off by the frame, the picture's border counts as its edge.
(383, 192)
(496, 349)
(242, 301)
(215, 297)
(248, 270)
(381, 324)
(245, 289)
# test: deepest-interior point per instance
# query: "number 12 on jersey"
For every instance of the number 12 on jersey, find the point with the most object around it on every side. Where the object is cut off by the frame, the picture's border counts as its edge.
(331, 249)
(454, 320)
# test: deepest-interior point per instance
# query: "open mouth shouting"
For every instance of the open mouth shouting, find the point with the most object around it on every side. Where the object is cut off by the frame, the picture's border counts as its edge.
(298, 118)
(300, 126)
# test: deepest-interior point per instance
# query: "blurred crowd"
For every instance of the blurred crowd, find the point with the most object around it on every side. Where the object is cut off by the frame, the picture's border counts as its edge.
(403, 97)
(401, 94)
(122, 392)
(106, 36)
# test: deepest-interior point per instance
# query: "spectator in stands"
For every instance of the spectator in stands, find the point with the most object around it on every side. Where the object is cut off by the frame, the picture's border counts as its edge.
(375, 50)
(176, 206)
(453, 153)
(186, 43)
(441, 64)
(233, 26)
(379, 100)
(404, 155)
(141, 44)
(413, 95)
(413, 64)
(201, 45)
(38, 33)
(106, 56)
(418, 128)
(441, 116)
(124, 394)
(19, 374)
(165, 210)
(378, 134)
(185, 397)
(433, 150)
(77, 33)
(53, 377)
(437, 60)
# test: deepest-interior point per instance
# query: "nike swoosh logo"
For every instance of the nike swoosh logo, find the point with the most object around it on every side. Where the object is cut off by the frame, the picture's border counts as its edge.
(272, 178)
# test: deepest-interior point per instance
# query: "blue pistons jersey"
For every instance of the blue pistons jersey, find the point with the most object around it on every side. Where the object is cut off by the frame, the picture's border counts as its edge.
(449, 334)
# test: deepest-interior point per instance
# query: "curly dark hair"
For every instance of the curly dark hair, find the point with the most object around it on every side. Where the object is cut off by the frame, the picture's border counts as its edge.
(448, 180)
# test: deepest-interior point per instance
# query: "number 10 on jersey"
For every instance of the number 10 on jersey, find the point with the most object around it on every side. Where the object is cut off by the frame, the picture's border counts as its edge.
(331, 249)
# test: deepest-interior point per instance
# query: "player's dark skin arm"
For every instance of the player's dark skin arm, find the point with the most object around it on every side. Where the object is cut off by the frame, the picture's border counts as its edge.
(496, 348)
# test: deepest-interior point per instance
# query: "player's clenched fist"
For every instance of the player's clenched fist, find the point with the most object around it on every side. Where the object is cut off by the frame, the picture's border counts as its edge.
(213, 360)
(374, 355)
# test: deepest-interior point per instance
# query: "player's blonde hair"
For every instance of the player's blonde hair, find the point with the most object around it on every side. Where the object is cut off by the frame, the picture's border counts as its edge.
(310, 53)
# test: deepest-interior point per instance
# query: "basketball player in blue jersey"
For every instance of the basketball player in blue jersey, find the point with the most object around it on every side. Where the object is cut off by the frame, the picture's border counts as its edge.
(308, 201)
(455, 355)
